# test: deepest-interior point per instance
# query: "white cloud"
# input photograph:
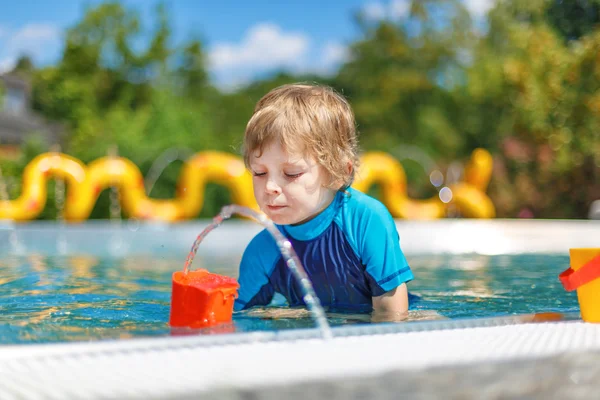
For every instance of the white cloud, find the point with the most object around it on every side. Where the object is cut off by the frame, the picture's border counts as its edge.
(41, 42)
(395, 10)
(332, 55)
(374, 11)
(399, 9)
(265, 46)
(7, 64)
(32, 38)
(479, 8)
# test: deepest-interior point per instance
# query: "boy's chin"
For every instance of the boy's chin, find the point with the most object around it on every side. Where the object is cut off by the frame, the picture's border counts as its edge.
(286, 220)
(283, 219)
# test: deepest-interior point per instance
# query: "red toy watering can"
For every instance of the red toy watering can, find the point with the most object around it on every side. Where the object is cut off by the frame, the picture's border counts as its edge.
(200, 299)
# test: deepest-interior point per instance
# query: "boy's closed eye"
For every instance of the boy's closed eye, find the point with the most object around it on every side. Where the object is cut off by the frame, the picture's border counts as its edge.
(293, 175)
(287, 174)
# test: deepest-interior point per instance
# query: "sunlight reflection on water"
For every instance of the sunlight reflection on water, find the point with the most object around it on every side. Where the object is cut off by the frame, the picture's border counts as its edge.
(74, 298)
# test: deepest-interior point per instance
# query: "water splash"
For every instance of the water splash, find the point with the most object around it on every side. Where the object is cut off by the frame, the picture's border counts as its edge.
(287, 251)
(13, 238)
(116, 242)
(3, 188)
(437, 179)
(161, 162)
(115, 195)
(454, 174)
(59, 201)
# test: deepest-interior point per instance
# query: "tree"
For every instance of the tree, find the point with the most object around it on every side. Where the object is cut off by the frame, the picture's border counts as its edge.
(536, 95)
(112, 94)
(573, 19)
(399, 80)
(23, 66)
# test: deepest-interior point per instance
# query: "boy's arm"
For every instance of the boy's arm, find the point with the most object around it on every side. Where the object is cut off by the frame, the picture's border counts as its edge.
(392, 306)
(385, 263)
(255, 287)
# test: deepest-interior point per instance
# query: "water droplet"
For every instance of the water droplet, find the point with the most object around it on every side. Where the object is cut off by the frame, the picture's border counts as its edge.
(436, 178)
(133, 224)
(445, 194)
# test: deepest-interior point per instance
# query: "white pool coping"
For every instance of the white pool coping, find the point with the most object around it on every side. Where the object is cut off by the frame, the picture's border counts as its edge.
(170, 367)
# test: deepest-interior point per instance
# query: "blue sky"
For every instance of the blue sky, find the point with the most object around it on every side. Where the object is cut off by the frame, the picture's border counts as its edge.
(243, 39)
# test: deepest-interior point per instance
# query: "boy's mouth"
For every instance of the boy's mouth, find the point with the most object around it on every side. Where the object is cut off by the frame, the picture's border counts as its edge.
(275, 207)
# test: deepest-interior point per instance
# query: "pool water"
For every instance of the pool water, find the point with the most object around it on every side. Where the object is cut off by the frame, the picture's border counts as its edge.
(83, 298)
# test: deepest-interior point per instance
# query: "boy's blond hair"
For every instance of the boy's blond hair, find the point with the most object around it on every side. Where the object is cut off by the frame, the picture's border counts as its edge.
(311, 119)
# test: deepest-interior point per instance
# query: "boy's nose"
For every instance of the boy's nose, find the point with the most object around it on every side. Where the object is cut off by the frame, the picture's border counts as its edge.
(273, 187)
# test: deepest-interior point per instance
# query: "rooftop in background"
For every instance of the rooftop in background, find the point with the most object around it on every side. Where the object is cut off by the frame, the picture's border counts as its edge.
(17, 119)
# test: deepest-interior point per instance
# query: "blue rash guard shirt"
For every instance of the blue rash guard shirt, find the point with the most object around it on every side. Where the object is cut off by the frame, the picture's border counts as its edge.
(350, 251)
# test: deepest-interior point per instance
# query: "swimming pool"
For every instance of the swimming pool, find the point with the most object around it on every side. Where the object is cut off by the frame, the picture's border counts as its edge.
(97, 281)
(68, 289)
(81, 297)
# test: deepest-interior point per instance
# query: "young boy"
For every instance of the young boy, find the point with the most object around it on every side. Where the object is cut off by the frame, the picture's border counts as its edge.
(301, 147)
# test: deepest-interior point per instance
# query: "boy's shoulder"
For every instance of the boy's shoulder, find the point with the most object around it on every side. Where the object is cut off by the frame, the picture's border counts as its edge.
(361, 213)
(360, 203)
(365, 220)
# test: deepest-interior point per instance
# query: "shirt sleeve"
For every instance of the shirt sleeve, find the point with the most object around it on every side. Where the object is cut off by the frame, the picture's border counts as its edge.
(257, 264)
(379, 247)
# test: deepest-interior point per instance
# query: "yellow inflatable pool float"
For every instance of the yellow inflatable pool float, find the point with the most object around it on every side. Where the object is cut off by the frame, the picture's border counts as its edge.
(468, 197)
(85, 183)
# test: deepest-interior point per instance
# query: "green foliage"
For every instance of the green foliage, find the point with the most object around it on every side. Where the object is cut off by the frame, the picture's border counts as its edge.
(24, 66)
(573, 19)
(542, 111)
(400, 80)
(139, 103)
(430, 86)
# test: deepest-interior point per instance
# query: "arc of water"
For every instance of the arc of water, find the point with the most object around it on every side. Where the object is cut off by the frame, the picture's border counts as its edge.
(3, 188)
(59, 188)
(115, 193)
(161, 162)
(13, 237)
(287, 251)
(59, 200)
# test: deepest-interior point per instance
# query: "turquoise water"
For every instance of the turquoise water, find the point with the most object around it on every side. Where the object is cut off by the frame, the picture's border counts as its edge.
(83, 298)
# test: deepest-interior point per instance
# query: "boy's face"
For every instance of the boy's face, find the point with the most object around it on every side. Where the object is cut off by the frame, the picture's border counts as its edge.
(289, 188)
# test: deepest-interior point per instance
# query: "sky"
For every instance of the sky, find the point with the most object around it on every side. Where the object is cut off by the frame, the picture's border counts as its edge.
(243, 39)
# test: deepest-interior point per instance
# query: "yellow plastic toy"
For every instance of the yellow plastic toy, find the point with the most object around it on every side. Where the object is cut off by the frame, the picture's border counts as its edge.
(468, 197)
(85, 183)
(584, 276)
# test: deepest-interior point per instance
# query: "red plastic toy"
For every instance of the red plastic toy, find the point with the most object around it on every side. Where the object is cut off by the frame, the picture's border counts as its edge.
(572, 279)
(584, 276)
(201, 299)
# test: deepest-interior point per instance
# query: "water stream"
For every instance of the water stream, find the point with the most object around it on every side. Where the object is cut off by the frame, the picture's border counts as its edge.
(287, 251)
(13, 238)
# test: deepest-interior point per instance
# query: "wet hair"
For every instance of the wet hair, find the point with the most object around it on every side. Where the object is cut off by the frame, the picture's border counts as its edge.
(310, 119)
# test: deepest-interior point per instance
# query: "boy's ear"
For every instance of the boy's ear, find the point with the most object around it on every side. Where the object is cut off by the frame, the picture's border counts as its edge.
(349, 167)
(341, 182)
